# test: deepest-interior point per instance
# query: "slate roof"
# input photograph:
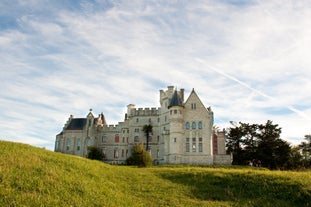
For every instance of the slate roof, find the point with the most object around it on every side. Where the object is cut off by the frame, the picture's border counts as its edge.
(77, 124)
(175, 101)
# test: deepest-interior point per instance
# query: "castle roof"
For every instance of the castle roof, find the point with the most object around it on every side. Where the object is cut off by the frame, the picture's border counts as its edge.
(175, 101)
(77, 124)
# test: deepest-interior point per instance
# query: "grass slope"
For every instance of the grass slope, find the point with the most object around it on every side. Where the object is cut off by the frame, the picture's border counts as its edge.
(32, 176)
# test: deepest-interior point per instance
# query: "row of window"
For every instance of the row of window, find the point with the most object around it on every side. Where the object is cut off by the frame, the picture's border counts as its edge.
(194, 125)
(194, 147)
(124, 153)
(194, 144)
(136, 139)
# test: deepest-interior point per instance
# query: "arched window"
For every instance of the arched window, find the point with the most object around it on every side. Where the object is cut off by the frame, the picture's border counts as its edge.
(194, 125)
(88, 142)
(200, 125)
(187, 125)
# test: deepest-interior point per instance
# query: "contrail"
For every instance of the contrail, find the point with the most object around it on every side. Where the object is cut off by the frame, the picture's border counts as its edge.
(291, 108)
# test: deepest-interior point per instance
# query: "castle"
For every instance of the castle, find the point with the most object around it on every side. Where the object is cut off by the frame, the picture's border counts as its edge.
(182, 133)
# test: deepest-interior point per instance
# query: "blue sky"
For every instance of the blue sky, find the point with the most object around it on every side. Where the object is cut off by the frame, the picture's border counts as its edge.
(249, 60)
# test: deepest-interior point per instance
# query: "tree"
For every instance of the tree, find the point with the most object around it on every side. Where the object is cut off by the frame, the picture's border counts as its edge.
(147, 129)
(140, 157)
(305, 148)
(94, 153)
(234, 144)
(295, 160)
(248, 142)
(272, 151)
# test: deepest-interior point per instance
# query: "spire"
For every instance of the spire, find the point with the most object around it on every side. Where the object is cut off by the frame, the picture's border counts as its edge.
(175, 101)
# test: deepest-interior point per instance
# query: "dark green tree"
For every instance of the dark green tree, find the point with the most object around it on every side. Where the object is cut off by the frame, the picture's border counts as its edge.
(139, 157)
(272, 150)
(305, 148)
(234, 145)
(295, 160)
(94, 153)
(147, 129)
(251, 142)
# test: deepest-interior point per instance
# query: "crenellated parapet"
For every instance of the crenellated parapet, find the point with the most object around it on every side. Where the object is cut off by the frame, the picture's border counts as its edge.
(143, 112)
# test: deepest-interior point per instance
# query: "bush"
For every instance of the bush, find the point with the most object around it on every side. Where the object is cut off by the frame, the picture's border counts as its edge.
(94, 154)
(140, 157)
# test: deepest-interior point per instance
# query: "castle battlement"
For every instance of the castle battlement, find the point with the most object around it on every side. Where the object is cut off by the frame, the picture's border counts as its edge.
(144, 111)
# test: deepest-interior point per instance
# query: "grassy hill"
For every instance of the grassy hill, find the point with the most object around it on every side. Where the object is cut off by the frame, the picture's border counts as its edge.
(31, 176)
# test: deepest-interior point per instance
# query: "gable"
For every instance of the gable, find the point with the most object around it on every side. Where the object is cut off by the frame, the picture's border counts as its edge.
(194, 103)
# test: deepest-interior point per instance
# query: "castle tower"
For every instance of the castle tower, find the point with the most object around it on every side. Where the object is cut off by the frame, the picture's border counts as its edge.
(176, 120)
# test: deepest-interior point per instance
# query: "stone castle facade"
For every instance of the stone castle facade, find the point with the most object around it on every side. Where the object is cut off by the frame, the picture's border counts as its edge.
(182, 133)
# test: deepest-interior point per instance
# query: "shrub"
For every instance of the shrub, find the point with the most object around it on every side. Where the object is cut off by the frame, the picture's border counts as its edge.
(140, 157)
(94, 154)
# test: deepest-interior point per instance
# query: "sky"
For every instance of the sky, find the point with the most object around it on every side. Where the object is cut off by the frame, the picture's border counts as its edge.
(250, 60)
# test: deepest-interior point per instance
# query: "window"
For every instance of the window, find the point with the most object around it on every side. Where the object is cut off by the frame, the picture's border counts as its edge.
(171, 112)
(200, 125)
(193, 106)
(104, 152)
(158, 138)
(193, 139)
(187, 147)
(158, 119)
(123, 139)
(175, 139)
(194, 147)
(104, 138)
(78, 144)
(187, 125)
(200, 139)
(116, 138)
(187, 139)
(194, 125)
(158, 153)
(88, 142)
(116, 153)
(150, 139)
(136, 130)
(126, 153)
(137, 119)
(200, 147)
(175, 111)
(68, 144)
(122, 153)
(136, 139)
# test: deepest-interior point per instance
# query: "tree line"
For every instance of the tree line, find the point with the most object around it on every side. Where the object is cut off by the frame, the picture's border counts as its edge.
(260, 144)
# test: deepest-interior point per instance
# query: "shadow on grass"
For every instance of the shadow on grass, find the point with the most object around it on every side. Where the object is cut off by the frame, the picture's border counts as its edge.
(245, 189)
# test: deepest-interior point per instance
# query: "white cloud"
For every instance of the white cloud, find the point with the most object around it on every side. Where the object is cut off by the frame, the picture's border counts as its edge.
(63, 59)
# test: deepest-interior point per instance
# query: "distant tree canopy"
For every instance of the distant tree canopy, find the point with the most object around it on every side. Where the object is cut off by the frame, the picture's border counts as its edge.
(94, 153)
(140, 157)
(261, 142)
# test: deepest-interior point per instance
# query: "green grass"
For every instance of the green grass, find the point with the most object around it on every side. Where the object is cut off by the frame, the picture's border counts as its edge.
(31, 176)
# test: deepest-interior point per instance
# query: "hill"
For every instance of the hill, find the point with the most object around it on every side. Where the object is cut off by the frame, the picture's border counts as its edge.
(31, 176)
